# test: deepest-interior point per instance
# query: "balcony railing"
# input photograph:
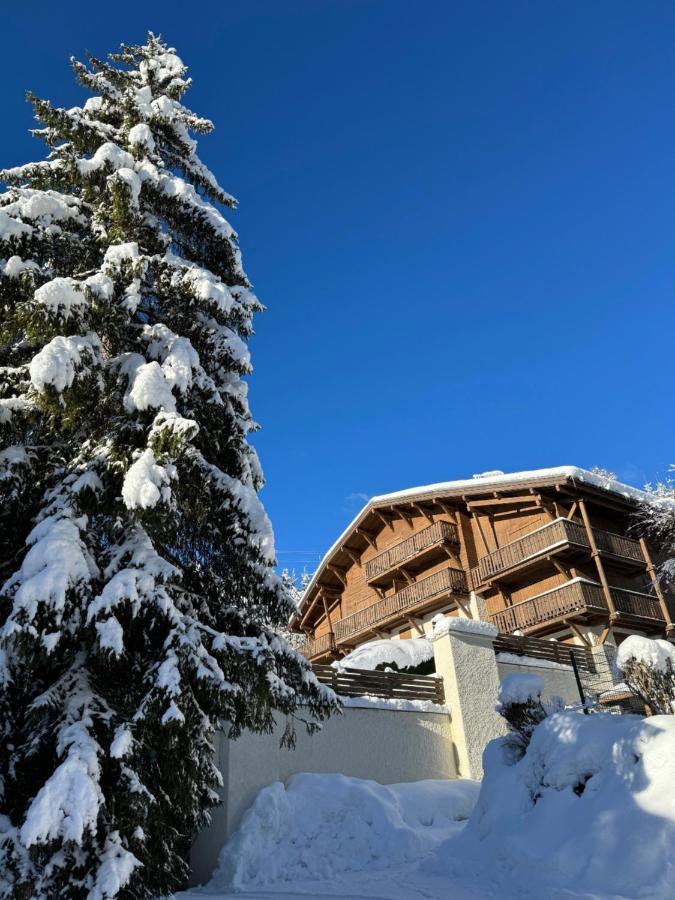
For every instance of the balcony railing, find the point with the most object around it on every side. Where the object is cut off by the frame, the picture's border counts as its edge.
(434, 535)
(557, 534)
(442, 583)
(319, 646)
(577, 596)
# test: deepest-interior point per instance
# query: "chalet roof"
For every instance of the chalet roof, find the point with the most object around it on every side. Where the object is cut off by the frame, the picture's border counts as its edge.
(477, 485)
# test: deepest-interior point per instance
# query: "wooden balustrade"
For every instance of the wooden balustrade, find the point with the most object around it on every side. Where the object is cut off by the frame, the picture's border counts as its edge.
(444, 582)
(319, 646)
(439, 533)
(573, 598)
(557, 534)
(635, 604)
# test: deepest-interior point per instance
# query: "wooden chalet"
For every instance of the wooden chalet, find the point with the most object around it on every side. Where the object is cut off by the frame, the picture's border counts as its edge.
(547, 553)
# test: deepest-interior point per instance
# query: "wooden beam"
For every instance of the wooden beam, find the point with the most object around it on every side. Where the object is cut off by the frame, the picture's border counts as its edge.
(657, 587)
(404, 515)
(493, 529)
(408, 577)
(369, 536)
(604, 635)
(450, 553)
(476, 518)
(328, 591)
(508, 513)
(595, 553)
(575, 631)
(448, 510)
(560, 567)
(423, 512)
(461, 603)
(416, 625)
(502, 501)
(551, 513)
(355, 558)
(339, 572)
(311, 606)
(573, 509)
(385, 519)
(327, 611)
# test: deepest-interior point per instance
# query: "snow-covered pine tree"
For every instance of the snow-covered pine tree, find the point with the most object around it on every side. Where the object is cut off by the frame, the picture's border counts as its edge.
(138, 601)
(655, 520)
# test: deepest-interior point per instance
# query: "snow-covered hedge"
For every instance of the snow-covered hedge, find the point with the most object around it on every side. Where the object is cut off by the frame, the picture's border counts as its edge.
(648, 668)
(588, 810)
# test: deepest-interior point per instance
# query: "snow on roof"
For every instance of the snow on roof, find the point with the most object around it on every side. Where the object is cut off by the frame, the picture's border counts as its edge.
(497, 478)
(480, 482)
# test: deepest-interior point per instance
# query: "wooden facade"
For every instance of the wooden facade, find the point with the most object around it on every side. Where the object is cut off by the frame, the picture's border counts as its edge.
(546, 553)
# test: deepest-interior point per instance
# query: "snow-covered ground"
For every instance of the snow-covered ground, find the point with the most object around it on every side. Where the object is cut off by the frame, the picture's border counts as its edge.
(587, 812)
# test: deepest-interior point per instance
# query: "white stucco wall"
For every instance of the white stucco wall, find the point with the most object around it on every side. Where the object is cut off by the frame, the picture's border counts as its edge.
(384, 745)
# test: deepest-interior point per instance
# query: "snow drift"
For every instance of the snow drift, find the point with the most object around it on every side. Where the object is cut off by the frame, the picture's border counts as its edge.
(407, 653)
(318, 826)
(589, 809)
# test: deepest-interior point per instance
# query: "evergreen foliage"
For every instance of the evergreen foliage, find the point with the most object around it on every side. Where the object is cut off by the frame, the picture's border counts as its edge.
(138, 601)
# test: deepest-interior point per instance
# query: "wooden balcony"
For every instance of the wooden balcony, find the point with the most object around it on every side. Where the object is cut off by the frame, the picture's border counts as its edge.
(559, 537)
(413, 597)
(419, 548)
(578, 598)
(320, 646)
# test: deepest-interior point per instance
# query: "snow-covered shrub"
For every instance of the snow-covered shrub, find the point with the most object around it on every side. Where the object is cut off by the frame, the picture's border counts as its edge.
(520, 703)
(648, 668)
(587, 811)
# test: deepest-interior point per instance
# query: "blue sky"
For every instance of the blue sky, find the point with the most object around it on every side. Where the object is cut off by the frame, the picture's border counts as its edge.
(460, 216)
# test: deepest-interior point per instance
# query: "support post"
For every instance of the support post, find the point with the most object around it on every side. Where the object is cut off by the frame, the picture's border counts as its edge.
(595, 553)
(657, 587)
(328, 618)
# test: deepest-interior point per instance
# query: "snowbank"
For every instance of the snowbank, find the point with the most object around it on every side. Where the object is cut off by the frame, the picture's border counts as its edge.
(532, 662)
(589, 808)
(321, 825)
(405, 654)
(369, 701)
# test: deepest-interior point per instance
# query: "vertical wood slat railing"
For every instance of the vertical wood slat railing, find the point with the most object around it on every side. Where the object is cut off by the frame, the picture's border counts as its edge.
(445, 581)
(635, 603)
(317, 646)
(556, 533)
(439, 533)
(574, 597)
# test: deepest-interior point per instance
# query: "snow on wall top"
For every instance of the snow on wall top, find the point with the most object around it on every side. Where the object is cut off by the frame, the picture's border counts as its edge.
(478, 483)
(446, 624)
